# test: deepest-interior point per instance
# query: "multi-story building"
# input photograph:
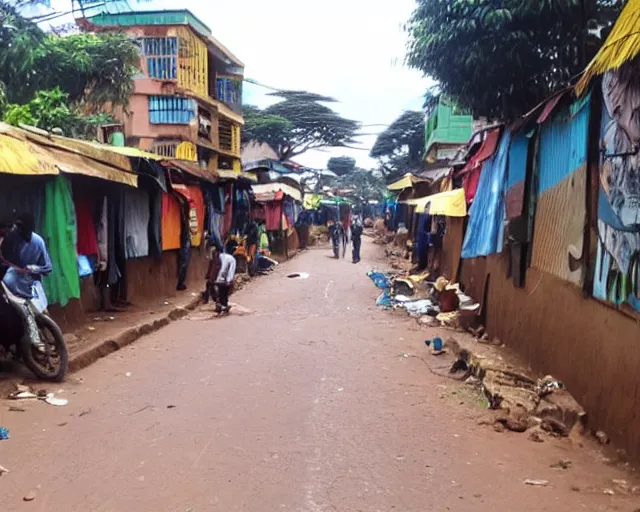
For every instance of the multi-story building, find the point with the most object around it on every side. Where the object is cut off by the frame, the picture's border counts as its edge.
(187, 99)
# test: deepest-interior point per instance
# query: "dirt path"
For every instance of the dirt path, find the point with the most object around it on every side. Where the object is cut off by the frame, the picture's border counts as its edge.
(305, 403)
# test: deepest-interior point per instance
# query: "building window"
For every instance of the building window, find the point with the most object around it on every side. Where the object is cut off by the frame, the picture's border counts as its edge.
(161, 57)
(225, 129)
(171, 110)
(229, 90)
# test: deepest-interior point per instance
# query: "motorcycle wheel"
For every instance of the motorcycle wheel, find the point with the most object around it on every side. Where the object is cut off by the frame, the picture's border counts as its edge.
(53, 363)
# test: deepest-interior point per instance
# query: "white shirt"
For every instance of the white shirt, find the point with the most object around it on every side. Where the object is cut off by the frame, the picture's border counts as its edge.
(227, 269)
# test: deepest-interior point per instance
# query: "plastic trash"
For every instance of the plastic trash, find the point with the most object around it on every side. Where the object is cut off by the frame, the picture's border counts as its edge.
(384, 300)
(4, 434)
(438, 344)
(57, 402)
(379, 279)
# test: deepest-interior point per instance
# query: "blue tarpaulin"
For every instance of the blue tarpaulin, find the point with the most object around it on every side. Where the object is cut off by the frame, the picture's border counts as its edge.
(486, 215)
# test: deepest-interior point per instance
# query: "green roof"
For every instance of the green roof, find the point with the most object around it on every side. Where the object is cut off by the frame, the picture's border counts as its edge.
(141, 18)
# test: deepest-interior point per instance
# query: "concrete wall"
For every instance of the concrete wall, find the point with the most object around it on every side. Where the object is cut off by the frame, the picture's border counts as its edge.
(591, 347)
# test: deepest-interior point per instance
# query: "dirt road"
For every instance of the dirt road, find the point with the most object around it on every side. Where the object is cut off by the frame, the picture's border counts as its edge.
(307, 403)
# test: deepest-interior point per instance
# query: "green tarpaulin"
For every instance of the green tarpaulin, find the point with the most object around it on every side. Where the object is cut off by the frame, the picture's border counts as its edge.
(59, 232)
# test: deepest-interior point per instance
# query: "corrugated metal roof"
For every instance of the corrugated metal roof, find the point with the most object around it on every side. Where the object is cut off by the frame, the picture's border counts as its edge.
(270, 189)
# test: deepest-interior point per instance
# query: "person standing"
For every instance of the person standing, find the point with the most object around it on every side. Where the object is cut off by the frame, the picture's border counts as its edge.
(356, 238)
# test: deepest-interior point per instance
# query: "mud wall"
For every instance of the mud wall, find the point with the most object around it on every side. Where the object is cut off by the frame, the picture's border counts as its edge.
(148, 279)
(591, 347)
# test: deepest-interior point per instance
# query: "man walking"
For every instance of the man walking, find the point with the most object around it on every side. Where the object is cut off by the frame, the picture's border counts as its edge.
(356, 238)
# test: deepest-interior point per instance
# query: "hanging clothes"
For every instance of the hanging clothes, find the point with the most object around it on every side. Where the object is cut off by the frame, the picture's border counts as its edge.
(184, 255)
(137, 216)
(171, 220)
(273, 212)
(198, 200)
(86, 225)
(155, 223)
(228, 211)
(59, 232)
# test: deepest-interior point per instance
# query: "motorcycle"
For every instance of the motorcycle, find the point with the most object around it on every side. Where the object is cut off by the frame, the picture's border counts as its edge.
(23, 319)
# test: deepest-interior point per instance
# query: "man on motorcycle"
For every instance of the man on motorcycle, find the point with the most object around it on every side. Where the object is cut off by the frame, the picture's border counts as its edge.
(27, 251)
(29, 260)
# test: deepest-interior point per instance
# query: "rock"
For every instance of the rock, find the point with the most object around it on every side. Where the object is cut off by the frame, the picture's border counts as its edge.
(30, 497)
(517, 424)
(562, 464)
(3, 470)
(608, 492)
(554, 427)
(575, 488)
(428, 321)
(602, 437)
(498, 427)
(536, 436)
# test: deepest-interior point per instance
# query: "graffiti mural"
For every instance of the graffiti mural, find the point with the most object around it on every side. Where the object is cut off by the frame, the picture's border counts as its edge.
(617, 278)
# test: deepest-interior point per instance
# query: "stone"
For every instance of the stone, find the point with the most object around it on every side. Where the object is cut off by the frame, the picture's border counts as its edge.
(602, 437)
(562, 464)
(498, 427)
(554, 427)
(30, 496)
(428, 321)
(536, 436)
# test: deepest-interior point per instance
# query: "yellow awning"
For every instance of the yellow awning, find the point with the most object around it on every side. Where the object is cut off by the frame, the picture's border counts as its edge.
(73, 163)
(622, 45)
(407, 181)
(23, 157)
(451, 203)
(27, 153)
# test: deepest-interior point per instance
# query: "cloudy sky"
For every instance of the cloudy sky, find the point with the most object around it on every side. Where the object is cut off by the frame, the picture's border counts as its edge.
(351, 50)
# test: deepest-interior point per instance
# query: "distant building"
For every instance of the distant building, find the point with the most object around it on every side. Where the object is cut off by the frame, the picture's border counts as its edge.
(187, 100)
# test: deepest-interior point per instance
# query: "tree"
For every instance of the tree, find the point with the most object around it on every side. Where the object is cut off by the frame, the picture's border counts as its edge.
(499, 59)
(92, 69)
(341, 165)
(298, 123)
(400, 147)
(50, 110)
(50, 81)
(365, 183)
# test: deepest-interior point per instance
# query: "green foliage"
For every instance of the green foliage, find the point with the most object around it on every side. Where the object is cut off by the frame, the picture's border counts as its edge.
(400, 147)
(263, 127)
(298, 123)
(90, 68)
(367, 184)
(19, 114)
(50, 110)
(341, 165)
(499, 59)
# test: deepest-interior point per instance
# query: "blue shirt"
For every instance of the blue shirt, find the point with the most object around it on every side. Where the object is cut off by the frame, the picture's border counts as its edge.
(19, 252)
